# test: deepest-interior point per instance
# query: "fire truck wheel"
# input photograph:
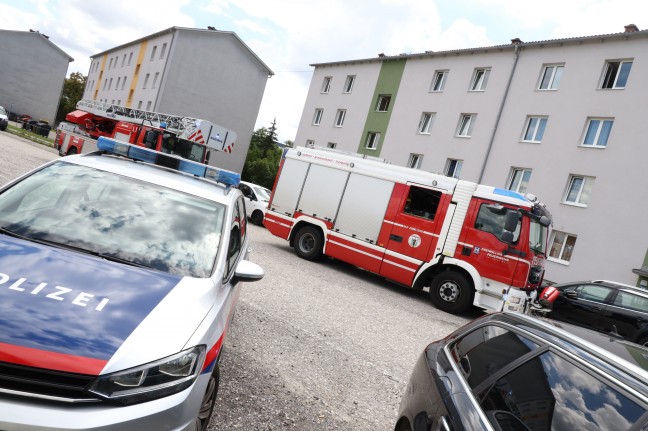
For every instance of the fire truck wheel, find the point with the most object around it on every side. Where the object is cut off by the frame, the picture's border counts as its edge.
(308, 243)
(71, 151)
(257, 218)
(209, 399)
(451, 292)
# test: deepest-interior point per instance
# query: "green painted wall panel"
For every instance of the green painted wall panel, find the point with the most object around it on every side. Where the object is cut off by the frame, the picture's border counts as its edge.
(391, 73)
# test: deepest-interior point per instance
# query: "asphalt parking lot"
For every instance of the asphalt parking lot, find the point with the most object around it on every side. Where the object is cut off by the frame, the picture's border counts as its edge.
(313, 346)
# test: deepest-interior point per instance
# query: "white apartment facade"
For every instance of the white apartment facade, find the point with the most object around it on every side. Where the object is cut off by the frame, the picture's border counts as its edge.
(561, 119)
(207, 74)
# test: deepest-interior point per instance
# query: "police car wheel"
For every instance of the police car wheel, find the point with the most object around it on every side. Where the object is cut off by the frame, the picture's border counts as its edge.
(209, 399)
(257, 218)
(308, 243)
(451, 292)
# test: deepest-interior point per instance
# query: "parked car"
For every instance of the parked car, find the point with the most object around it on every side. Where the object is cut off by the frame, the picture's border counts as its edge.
(606, 306)
(119, 276)
(4, 119)
(515, 372)
(256, 201)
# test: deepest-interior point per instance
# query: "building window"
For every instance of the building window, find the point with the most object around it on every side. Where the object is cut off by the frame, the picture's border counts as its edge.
(579, 190)
(146, 78)
(123, 83)
(425, 123)
(519, 180)
(163, 51)
(153, 53)
(110, 64)
(110, 84)
(480, 79)
(415, 161)
(466, 122)
(383, 103)
(317, 118)
(117, 85)
(439, 80)
(331, 145)
(453, 168)
(105, 82)
(372, 140)
(534, 130)
(155, 78)
(598, 132)
(123, 60)
(139, 105)
(137, 68)
(616, 74)
(310, 143)
(148, 105)
(326, 85)
(561, 246)
(130, 57)
(119, 102)
(348, 85)
(551, 75)
(339, 117)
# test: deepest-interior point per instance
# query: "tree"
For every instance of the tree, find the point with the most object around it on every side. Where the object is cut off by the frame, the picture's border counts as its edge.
(72, 92)
(264, 154)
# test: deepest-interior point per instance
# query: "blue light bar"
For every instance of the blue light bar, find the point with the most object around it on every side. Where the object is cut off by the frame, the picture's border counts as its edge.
(136, 152)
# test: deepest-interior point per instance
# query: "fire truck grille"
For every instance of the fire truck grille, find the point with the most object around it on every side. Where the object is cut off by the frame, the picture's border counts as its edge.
(38, 383)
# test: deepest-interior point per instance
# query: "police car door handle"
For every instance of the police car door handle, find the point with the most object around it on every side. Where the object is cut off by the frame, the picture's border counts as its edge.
(396, 238)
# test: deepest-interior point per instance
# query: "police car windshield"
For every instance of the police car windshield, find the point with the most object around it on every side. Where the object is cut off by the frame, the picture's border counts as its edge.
(112, 215)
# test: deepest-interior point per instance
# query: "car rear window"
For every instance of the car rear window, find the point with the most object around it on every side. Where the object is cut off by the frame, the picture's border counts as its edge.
(117, 216)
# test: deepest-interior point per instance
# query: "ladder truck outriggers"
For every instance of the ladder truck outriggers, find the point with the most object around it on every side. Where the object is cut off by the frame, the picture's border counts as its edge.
(187, 137)
(471, 244)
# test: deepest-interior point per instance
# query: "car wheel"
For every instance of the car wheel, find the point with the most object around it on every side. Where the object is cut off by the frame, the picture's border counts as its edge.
(451, 292)
(643, 340)
(257, 218)
(209, 399)
(309, 243)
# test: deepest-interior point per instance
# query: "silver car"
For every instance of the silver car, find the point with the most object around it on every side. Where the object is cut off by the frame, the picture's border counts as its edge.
(119, 274)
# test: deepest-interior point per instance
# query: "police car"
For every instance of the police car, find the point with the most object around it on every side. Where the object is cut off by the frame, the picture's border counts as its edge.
(119, 274)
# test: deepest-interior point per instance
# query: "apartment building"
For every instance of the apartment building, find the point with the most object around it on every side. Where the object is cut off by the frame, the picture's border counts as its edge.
(207, 74)
(561, 119)
(33, 72)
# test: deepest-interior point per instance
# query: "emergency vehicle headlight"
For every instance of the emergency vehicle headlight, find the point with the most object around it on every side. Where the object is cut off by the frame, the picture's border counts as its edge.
(151, 381)
(136, 152)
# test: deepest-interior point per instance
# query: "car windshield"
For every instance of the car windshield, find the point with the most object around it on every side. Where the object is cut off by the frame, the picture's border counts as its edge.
(538, 237)
(262, 193)
(2, 111)
(116, 217)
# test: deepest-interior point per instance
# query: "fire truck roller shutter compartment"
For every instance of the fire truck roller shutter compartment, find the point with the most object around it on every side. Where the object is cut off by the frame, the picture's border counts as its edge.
(289, 186)
(322, 192)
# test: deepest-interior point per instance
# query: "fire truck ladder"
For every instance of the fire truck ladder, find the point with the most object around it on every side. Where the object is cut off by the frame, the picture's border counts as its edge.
(174, 123)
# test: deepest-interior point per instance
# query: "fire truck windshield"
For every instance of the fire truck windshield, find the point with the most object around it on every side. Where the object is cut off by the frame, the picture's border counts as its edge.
(538, 237)
(183, 148)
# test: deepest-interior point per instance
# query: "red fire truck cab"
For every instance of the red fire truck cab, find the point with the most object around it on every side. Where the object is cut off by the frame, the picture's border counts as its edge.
(468, 243)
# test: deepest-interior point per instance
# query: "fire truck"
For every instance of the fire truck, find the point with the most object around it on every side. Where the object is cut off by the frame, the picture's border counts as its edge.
(187, 137)
(469, 243)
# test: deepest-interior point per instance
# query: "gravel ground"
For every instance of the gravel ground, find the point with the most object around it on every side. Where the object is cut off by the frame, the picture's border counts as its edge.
(313, 346)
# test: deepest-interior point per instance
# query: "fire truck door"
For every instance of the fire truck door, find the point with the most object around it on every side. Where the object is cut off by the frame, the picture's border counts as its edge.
(415, 231)
(481, 245)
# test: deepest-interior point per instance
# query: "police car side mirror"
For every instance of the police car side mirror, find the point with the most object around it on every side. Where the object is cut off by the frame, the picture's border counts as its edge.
(248, 271)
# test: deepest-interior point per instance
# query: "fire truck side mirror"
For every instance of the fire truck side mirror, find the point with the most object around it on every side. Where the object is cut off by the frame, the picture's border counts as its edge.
(511, 222)
(545, 221)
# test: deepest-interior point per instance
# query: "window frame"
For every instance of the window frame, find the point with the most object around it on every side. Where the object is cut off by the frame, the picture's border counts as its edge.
(415, 160)
(326, 85)
(565, 243)
(587, 181)
(597, 135)
(317, 116)
(348, 84)
(512, 176)
(465, 126)
(480, 79)
(374, 139)
(439, 81)
(552, 85)
(605, 79)
(455, 165)
(384, 101)
(538, 128)
(340, 115)
(425, 123)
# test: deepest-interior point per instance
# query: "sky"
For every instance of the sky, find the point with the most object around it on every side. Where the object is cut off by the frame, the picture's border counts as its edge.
(290, 35)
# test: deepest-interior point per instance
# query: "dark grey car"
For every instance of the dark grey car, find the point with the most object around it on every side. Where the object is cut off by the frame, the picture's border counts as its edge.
(510, 372)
